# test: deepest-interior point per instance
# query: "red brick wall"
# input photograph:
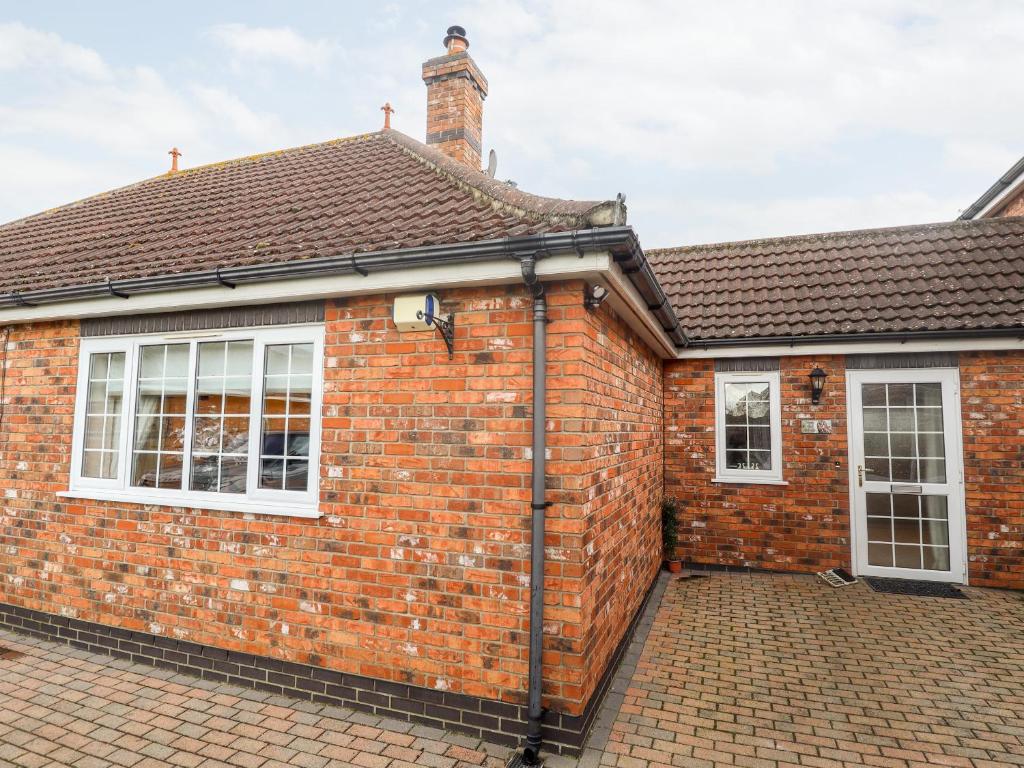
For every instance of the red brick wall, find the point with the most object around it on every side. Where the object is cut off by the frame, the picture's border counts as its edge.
(418, 570)
(805, 526)
(802, 526)
(622, 483)
(1015, 207)
(992, 411)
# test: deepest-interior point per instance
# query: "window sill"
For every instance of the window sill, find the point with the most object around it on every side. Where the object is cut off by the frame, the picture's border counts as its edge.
(227, 505)
(748, 481)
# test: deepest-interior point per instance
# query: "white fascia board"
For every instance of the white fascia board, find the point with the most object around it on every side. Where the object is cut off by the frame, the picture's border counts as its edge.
(999, 200)
(628, 304)
(592, 266)
(420, 278)
(854, 348)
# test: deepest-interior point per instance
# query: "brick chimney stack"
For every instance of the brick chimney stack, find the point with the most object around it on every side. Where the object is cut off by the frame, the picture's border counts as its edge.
(456, 90)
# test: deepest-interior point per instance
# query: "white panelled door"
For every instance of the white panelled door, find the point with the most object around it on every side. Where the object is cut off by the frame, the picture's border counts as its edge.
(905, 451)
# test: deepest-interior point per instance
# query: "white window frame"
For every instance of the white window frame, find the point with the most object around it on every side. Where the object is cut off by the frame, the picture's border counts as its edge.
(262, 501)
(764, 477)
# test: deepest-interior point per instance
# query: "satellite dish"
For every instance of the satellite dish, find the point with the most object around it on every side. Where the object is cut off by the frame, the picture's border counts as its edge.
(492, 163)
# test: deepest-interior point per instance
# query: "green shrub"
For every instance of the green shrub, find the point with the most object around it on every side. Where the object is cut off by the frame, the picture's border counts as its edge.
(669, 527)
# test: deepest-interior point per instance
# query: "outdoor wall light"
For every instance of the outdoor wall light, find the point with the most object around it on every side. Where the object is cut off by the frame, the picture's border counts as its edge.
(817, 377)
(594, 296)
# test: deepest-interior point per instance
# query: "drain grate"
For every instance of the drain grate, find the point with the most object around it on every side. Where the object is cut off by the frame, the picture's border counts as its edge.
(914, 588)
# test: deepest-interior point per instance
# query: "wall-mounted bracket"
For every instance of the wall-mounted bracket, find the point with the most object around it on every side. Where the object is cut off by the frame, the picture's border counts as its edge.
(445, 326)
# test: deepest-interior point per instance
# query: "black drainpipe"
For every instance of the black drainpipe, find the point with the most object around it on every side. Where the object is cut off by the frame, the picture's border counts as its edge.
(531, 752)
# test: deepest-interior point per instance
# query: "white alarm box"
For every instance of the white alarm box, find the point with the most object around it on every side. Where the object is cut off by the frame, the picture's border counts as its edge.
(414, 313)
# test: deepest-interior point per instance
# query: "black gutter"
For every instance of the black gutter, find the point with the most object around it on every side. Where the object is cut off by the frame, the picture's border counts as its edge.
(620, 241)
(897, 336)
(1004, 182)
(630, 257)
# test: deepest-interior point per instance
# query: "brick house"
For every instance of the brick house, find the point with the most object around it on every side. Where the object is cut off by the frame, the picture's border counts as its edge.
(220, 452)
(910, 464)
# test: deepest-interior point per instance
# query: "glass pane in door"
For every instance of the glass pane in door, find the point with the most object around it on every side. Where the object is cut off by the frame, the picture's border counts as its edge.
(908, 531)
(903, 433)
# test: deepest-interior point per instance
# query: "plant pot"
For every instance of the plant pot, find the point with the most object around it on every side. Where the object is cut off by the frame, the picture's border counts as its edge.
(674, 566)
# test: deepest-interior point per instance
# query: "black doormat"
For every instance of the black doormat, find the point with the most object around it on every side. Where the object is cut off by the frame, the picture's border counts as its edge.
(914, 588)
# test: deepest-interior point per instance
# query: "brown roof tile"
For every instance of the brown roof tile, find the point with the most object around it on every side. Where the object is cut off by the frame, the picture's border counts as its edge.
(380, 191)
(964, 275)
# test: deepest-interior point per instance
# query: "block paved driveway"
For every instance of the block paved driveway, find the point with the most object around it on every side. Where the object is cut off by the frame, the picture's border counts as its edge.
(769, 670)
(62, 707)
(759, 671)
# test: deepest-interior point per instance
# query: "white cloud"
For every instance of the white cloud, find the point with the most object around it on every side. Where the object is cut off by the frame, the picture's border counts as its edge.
(737, 85)
(258, 127)
(38, 174)
(715, 220)
(273, 44)
(23, 48)
(103, 132)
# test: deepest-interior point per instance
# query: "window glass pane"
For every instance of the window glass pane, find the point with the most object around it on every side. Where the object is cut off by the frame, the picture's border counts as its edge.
(904, 471)
(880, 554)
(933, 471)
(875, 420)
(159, 441)
(928, 394)
(285, 429)
(901, 394)
(879, 529)
(929, 419)
(901, 419)
(220, 429)
(905, 505)
(873, 394)
(277, 359)
(906, 531)
(736, 437)
(907, 556)
(104, 402)
(747, 429)
(931, 445)
(936, 558)
(933, 506)
(876, 469)
(876, 444)
(903, 438)
(879, 504)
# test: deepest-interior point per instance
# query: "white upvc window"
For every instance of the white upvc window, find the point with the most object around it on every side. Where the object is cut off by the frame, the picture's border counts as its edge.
(748, 427)
(225, 420)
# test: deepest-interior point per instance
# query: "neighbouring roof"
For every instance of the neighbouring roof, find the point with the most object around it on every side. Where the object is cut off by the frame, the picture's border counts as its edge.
(380, 191)
(962, 275)
(1004, 182)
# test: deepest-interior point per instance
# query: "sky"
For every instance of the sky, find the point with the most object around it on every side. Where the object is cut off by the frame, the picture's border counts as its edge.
(718, 121)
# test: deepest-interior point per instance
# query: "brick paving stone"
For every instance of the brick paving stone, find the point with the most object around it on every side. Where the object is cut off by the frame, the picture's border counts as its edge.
(739, 671)
(768, 671)
(64, 708)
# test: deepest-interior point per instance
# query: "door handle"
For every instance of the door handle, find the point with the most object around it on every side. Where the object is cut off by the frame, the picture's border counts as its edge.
(860, 475)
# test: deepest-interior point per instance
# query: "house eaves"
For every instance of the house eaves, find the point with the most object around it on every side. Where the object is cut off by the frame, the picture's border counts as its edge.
(1005, 185)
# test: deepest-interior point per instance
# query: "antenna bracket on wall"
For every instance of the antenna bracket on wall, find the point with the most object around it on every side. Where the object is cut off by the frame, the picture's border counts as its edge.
(445, 326)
